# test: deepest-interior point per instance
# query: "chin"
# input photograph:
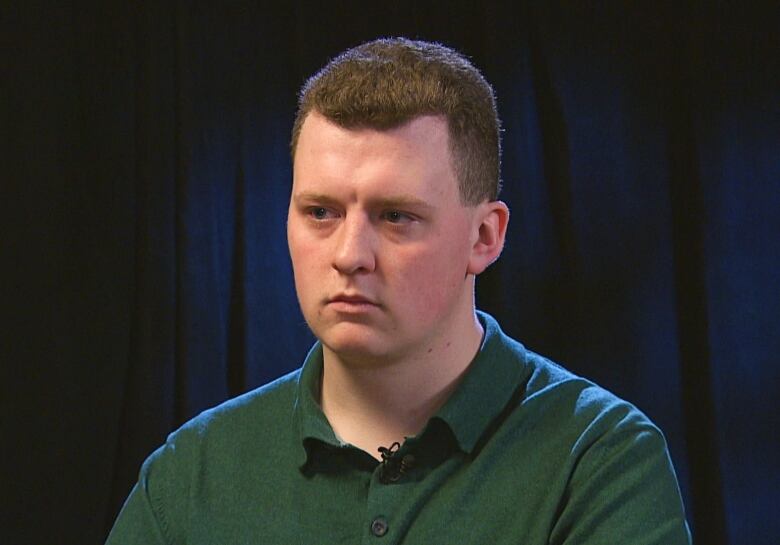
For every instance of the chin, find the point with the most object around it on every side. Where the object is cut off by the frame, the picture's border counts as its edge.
(353, 343)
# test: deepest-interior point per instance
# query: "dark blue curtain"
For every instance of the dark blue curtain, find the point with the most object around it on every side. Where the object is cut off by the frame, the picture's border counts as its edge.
(145, 177)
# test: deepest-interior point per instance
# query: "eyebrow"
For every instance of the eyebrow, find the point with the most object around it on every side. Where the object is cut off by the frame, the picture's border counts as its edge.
(396, 201)
(310, 196)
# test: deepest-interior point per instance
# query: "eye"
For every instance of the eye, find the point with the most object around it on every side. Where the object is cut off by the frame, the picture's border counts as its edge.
(394, 216)
(320, 213)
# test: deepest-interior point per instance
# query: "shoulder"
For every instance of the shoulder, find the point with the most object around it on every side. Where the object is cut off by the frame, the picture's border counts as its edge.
(598, 456)
(551, 398)
(254, 415)
(567, 416)
(276, 396)
(249, 430)
(207, 458)
(612, 461)
(243, 426)
(544, 384)
(565, 396)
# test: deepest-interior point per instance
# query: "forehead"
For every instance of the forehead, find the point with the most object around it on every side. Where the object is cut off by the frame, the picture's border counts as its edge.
(413, 157)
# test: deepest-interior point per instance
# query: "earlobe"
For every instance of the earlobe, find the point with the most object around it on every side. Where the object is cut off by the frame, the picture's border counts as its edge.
(490, 232)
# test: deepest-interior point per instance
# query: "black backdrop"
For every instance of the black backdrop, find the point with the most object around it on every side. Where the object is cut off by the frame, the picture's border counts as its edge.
(145, 273)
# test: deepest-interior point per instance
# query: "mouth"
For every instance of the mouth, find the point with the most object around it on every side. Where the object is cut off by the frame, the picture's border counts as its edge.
(351, 303)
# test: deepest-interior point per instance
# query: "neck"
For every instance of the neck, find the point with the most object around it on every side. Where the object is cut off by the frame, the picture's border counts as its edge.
(374, 405)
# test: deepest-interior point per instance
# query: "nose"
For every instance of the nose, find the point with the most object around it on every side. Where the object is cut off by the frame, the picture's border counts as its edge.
(355, 246)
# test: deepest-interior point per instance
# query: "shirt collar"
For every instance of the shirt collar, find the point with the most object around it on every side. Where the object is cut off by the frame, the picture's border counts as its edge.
(494, 375)
(308, 417)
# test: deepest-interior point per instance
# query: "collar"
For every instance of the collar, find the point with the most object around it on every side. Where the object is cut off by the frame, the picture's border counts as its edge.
(308, 418)
(493, 377)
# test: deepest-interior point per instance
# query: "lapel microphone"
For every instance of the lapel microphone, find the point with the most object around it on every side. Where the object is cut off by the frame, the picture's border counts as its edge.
(394, 466)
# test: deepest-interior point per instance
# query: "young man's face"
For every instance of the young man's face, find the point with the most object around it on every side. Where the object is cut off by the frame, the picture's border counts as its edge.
(379, 240)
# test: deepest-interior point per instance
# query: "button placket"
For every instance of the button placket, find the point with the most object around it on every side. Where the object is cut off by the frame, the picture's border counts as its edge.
(393, 479)
(382, 509)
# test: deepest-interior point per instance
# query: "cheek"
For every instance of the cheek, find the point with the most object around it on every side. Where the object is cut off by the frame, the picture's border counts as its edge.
(305, 248)
(434, 281)
(306, 258)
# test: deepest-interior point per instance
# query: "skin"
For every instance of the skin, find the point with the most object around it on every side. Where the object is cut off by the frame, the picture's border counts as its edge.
(385, 255)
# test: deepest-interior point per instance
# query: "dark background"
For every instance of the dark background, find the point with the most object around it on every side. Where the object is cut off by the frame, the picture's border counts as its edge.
(144, 184)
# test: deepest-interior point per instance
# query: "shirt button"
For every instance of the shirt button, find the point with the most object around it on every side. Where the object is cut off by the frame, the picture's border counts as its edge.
(379, 527)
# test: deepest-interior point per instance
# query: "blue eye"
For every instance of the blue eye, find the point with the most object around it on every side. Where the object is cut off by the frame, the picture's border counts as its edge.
(320, 213)
(394, 216)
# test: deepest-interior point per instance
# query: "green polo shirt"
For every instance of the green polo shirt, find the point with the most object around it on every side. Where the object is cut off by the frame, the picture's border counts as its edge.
(522, 452)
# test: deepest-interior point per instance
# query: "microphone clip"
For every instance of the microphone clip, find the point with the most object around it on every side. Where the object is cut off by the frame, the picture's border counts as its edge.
(394, 466)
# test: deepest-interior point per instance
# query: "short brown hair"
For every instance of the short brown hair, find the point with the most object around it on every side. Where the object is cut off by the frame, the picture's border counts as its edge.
(386, 83)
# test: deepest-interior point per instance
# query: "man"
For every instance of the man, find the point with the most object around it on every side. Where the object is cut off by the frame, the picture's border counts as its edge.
(414, 419)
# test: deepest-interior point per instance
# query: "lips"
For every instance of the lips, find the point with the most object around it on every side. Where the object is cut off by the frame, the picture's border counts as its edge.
(352, 305)
(353, 299)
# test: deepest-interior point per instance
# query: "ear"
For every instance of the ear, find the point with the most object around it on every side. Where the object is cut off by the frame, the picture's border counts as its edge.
(490, 222)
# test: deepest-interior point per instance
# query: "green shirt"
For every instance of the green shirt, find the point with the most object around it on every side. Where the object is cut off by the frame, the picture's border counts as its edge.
(523, 452)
